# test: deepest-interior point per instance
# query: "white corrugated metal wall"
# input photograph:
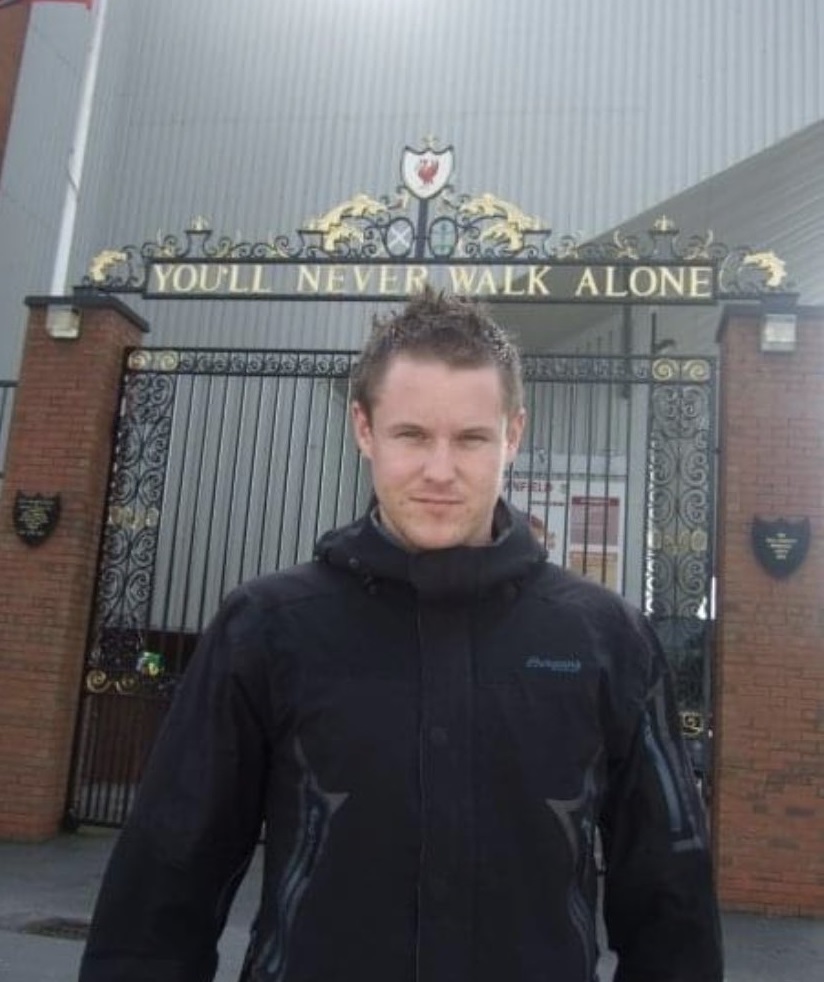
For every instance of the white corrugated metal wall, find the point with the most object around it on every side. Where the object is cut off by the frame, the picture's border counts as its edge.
(33, 174)
(261, 114)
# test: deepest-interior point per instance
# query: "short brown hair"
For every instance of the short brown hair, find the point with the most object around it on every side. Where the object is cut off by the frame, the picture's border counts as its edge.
(439, 327)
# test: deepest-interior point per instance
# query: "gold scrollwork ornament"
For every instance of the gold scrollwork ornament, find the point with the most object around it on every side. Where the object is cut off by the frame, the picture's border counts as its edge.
(506, 222)
(334, 228)
(696, 370)
(664, 370)
(141, 360)
(133, 519)
(102, 263)
(97, 680)
(126, 684)
(774, 268)
(692, 723)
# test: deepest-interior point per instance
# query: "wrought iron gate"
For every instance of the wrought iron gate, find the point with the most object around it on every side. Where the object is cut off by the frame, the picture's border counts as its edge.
(227, 464)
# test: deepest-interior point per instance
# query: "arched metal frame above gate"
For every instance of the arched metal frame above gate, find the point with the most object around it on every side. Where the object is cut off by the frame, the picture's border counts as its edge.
(617, 471)
(387, 247)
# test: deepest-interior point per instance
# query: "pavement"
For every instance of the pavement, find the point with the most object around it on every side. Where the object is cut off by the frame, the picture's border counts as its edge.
(52, 887)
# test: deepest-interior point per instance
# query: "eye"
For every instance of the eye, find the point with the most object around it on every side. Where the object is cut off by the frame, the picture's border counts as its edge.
(473, 439)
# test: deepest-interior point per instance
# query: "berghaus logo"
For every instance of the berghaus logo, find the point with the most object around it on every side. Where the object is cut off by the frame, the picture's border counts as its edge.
(558, 666)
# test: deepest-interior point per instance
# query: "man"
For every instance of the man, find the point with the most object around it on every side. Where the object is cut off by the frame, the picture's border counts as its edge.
(431, 721)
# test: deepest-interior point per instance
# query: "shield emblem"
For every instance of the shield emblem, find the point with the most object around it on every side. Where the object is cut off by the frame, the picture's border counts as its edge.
(425, 173)
(35, 516)
(781, 544)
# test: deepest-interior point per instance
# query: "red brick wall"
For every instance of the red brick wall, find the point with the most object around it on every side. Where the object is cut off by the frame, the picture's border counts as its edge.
(769, 809)
(14, 22)
(60, 441)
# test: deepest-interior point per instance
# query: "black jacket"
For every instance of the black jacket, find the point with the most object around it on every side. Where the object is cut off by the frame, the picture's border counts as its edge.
(431, 741)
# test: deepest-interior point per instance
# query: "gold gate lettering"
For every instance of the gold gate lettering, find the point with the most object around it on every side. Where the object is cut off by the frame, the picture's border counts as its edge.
(624, 283)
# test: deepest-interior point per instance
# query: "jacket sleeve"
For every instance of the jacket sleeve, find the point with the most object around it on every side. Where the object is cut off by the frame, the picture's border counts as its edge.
(176, 866)
(659, 900)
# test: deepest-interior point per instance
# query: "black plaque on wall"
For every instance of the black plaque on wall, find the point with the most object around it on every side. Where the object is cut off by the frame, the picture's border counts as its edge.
(781, 544)
(35, 516)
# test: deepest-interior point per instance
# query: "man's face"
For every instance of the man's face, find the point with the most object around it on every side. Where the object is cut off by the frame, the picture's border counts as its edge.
(438, 441)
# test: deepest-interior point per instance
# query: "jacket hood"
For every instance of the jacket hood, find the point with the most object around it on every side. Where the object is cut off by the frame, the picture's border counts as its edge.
(366, 551)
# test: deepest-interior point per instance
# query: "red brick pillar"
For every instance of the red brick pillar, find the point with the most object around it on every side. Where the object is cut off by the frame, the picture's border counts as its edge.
(769, 808)
(59, 443)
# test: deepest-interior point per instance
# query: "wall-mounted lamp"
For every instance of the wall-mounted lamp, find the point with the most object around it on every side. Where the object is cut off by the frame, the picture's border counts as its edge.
(63, 322)
(778, 332)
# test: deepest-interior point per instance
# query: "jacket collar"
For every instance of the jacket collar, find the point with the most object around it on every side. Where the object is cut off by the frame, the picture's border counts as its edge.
(367, 551)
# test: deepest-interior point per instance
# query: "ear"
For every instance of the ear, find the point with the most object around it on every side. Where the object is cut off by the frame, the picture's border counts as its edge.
(514, 431)
(362, 429)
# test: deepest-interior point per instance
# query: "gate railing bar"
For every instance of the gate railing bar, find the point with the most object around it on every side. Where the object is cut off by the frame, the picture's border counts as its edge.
(550, 451)
(253, 468)
(287, 469)
(199, 485)
(709, 636)
(174, 537)
(605, 505)
(587, 434)
(270, 460)
(627, 395)
(307, 448)
(572, 393)
(232, 487)
(532, 423)
(219, 452)
(648, 549)
(327, 415)
(345, 438)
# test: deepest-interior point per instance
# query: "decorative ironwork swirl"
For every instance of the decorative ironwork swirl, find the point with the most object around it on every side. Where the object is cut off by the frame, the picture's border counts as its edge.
(226, 361)
(616, 368)
(339, 364)
(450, 228)
(153, 360)
(686, 641)
(696, 370)
(679, 506)
(129, 547)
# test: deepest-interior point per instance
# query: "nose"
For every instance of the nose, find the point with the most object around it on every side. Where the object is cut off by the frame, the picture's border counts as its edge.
(439, 466)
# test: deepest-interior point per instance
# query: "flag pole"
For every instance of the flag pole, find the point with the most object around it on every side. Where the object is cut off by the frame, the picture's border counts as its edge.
(77, 154)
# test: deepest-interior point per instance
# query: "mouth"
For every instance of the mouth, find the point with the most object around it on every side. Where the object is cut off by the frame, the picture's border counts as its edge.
(440, 502)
